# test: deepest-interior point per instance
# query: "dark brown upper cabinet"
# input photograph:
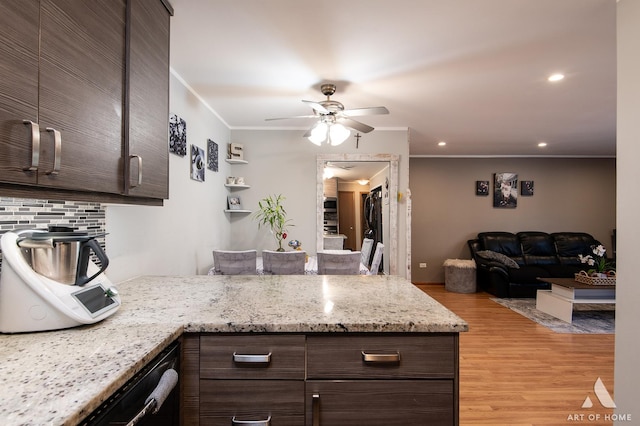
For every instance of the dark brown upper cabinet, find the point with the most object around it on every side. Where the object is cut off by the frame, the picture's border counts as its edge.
(145, 151)
(84, 99)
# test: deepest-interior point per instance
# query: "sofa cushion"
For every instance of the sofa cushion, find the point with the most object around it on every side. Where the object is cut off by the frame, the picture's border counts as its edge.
(506, 243)
(570, 244)
(498, 257)
(538, 248)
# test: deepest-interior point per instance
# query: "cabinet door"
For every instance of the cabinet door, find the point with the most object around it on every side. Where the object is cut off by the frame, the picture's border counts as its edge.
(18, 88)
(81, 93)
(281, 402)
(380, 403)
(146, 135)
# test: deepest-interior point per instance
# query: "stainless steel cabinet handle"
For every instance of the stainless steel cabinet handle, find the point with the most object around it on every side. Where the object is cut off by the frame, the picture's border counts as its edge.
(57, 151)
(35, 145)
(251, 359)
(381, 358)
(315, 410)
(139, 169)
(265, 422)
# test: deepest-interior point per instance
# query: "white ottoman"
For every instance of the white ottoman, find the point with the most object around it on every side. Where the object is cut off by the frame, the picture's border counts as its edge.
(460, 275)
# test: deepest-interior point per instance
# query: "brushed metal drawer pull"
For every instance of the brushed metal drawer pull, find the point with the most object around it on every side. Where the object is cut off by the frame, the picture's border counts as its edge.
(35, 145)
(265, 422)
(251, 359)
(57, 151)
(139, 181)
(315, 410)
(381, 358)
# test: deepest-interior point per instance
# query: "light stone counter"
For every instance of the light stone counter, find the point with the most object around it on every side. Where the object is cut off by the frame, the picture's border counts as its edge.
(54, 378)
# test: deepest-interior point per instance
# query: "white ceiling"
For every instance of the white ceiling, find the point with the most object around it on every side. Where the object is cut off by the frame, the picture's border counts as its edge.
(469, 72)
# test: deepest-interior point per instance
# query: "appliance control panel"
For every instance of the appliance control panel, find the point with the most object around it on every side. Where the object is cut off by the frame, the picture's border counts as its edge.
(95, 299)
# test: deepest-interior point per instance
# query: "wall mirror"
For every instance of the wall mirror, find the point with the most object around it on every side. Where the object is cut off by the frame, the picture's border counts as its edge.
(382, 171)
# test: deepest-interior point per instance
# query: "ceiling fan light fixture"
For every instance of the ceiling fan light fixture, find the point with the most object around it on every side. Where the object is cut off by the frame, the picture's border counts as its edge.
(338, 134)
(318, 133)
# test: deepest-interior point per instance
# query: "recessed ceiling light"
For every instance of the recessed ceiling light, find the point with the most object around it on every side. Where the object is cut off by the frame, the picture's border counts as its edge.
(442, 143)
(542, 144)
(555, 77)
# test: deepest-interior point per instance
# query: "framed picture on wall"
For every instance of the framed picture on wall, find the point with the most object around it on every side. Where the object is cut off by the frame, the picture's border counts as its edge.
(482, 187)
(505, 191)
(177, 135)
(526, 188)
(233, 203)
(212, 155)
(197, 163)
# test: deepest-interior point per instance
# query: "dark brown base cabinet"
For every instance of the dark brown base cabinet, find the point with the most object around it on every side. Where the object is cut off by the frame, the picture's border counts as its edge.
(318, 379)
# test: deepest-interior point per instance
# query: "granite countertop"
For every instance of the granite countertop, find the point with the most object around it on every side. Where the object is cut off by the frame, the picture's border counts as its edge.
(59, 377)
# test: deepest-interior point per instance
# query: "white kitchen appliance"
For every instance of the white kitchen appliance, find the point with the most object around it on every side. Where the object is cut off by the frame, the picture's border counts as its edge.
(31, 301)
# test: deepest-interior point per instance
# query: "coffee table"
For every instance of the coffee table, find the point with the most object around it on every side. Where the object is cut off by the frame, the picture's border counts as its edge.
(565, 292)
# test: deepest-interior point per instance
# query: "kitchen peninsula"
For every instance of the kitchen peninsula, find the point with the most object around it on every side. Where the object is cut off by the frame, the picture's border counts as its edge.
(59, 377)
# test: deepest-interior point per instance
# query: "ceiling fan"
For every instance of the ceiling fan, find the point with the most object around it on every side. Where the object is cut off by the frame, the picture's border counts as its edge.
(333, 119)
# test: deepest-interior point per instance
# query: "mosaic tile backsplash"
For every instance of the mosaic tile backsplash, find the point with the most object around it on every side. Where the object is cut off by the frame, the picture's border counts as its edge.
(22, 213)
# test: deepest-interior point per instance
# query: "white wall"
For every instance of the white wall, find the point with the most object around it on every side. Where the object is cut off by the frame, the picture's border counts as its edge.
(177, 238)
(627, 373)
(283, 162)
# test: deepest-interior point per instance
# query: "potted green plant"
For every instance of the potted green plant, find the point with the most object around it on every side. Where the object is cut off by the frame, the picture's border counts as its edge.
(271, 213)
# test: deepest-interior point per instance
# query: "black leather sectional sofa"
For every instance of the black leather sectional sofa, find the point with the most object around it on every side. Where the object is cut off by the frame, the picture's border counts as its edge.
(509, 264)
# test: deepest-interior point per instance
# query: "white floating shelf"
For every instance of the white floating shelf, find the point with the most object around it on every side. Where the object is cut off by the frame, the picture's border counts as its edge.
(235, 185)
(232, 161)
(237, 211)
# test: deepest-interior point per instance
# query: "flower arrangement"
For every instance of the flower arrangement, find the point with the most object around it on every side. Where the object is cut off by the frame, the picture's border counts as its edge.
(599, 263)
(272, 213)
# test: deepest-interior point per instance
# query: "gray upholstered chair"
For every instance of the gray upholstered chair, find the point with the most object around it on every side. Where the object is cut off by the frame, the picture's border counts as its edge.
(283, 262)
(347, 263)
(367, 245)
(229, 262)
(377, 258)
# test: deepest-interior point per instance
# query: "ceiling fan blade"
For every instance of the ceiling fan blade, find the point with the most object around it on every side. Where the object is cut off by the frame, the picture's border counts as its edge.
(308, 132)
(287, 118)
(317, 107)
(365, 111)
(361, 127)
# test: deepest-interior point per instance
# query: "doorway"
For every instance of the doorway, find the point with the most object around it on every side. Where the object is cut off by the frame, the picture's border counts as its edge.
(390, 189)
(347, 219)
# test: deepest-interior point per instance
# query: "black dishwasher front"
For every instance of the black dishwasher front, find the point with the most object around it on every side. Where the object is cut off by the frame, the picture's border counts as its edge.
(127, 405)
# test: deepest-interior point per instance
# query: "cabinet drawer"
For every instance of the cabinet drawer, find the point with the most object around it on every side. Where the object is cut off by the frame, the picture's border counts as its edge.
(256, 357)
(391, 356)
(280, 400)
(380, 403)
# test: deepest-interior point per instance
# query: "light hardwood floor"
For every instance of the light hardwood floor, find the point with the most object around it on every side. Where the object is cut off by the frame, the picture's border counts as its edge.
(515, 372)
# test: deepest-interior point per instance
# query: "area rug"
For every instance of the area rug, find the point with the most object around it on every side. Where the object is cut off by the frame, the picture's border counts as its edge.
(587, 319)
